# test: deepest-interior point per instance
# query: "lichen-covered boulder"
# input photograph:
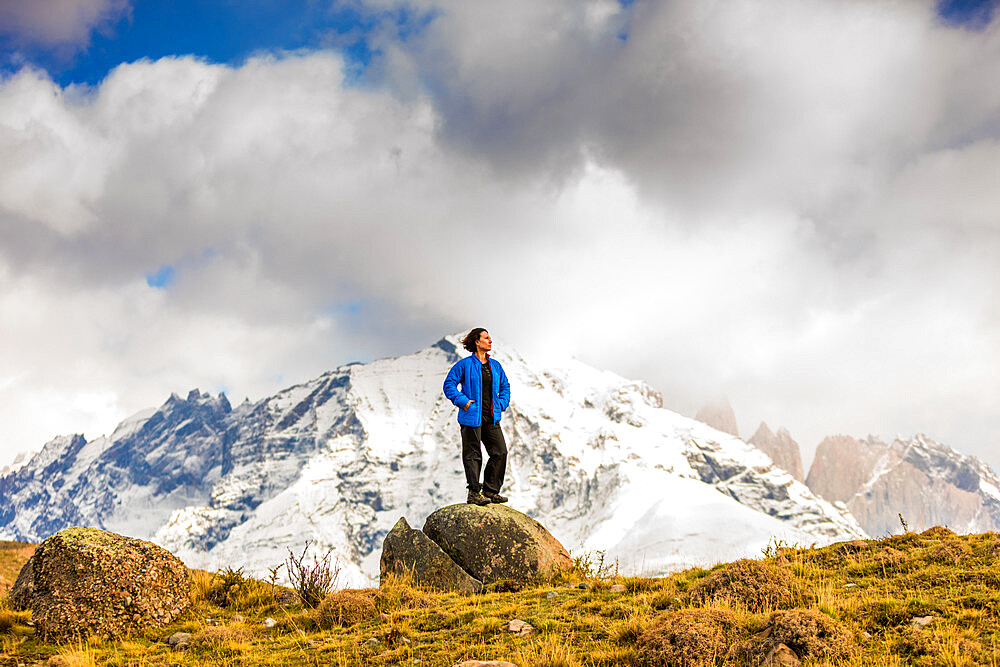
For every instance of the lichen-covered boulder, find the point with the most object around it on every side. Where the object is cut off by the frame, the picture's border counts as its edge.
(92, 582)
(24, 587)
(496, 542)
(406, 550)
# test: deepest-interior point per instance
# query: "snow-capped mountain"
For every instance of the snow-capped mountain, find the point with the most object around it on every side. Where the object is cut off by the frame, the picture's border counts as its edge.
(337, 460)
(20, 460)
(927, 482)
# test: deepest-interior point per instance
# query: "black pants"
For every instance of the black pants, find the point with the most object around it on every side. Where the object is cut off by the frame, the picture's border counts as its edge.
(472, 456)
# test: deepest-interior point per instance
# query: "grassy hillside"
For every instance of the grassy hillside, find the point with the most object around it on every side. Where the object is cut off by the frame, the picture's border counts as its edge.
(926, 599)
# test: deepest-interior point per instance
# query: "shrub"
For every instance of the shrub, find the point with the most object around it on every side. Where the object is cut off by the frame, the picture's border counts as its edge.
(202, 583)
(751, 583)
(640, 584)
(550, 652)
(345, 608)
(689, 637)
(312, 581)
(950, 551)
(933, 648)
(8, 619)
(594, 565)
(224, 586)
(806, 631)
(217, 636)
(503, 586)
(938, 532)
(395, 595)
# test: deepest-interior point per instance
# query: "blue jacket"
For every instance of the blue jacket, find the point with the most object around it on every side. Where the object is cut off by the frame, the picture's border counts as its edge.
(469, 373)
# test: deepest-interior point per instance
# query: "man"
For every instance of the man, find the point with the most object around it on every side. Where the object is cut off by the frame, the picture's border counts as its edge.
(484, 394)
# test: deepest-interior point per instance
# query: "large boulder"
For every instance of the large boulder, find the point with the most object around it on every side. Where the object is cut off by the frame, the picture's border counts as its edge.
(89, 581)
(24, 587)
(406, 550)
(494, 543)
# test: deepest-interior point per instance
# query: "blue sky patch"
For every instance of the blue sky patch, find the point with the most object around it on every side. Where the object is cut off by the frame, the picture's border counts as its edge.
(162, 278)
(222, 31)
(968, 13)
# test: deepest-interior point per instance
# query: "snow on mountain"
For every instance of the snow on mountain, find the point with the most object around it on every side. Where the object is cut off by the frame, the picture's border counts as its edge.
(337, 460)
(20, 460)
(927, 482)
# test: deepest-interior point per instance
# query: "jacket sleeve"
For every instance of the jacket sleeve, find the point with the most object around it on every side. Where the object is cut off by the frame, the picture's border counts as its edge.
(451, 391)
(504, 390)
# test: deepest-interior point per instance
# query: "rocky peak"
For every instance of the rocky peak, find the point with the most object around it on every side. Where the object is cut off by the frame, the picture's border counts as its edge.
(782, 449)
(925, 481)
(720, 416)
(842, 465)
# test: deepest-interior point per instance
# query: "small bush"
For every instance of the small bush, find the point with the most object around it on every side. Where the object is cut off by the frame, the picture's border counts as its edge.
(690, 637)
(852, 547)
(665, 600)
(594, 565)
(224, 586)
(8, 619)
(628, 631)
(640, 584)
(503, 586)
(217, 636)
(550, 652)
(891, 559)
(345, 608)
(950, 551)
(938, 533)
(397, 595)
(903, 542)
(201, 585)
(932, 648)
(394, 635)
(312, 580)
(877, 615)
(751, 583)
(72, 659)
(806, 631)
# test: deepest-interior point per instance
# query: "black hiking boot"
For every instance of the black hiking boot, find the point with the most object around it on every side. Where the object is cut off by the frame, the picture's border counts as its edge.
(495, 497)
(476, 498)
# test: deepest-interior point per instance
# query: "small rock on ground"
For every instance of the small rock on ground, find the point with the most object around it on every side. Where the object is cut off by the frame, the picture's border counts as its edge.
(781, 656)
(520, 627)
(617, 588)
(371, 643)
(179, 638)
(485, 663)
(550, 595)
(921, 621)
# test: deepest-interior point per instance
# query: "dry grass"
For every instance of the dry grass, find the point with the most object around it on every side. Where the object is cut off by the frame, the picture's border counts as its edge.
(346, 608)
(689, 637)
(854, 604)
(755, 585)
(13, 556)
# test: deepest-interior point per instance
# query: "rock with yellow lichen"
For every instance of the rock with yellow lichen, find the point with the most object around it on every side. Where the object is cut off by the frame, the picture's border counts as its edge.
(88, 581)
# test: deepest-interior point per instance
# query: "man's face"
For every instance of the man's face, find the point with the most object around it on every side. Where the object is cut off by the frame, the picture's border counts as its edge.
(485, 343)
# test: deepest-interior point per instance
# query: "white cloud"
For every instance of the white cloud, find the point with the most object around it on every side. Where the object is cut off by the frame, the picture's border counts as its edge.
(785, 202)
(57, 23)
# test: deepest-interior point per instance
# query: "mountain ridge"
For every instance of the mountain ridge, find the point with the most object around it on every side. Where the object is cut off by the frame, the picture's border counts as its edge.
(338, 459)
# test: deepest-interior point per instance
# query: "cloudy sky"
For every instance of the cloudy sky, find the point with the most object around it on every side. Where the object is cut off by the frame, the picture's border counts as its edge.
(792, 203)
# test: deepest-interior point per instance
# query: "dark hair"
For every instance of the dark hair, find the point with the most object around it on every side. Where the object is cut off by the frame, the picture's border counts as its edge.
(469, 342)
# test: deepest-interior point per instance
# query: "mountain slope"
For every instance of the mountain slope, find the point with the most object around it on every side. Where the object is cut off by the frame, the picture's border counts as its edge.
(339, 459)
(927, 482)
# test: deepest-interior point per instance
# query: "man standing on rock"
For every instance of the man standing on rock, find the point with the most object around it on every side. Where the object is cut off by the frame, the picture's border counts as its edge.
(484, 394)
